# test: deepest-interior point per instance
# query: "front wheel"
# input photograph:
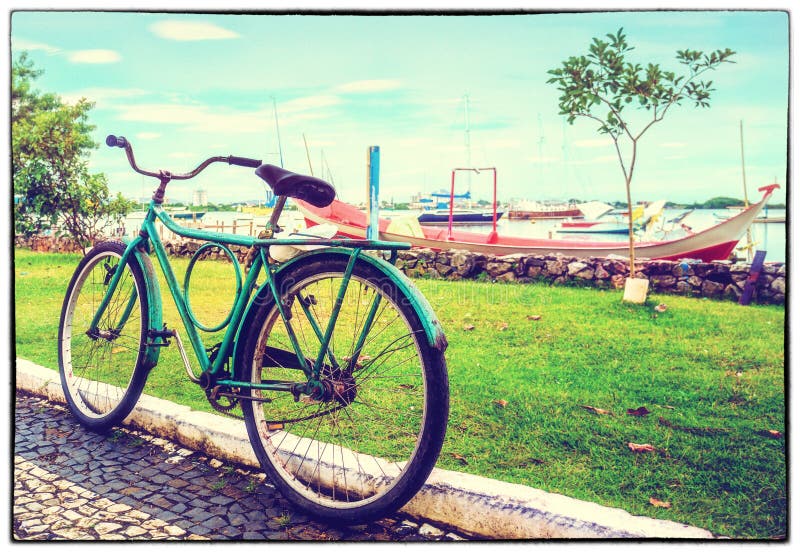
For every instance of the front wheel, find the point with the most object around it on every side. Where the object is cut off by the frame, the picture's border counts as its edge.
(364, 443)
(102, 369)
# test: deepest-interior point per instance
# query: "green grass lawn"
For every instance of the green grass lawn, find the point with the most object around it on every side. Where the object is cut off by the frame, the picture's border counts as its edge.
(541, 381)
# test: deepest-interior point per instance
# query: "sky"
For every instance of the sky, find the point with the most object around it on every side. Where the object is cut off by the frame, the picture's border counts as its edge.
(185, 86)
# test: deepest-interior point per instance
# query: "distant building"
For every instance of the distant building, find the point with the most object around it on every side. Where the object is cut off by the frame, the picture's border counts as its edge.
(200, 198)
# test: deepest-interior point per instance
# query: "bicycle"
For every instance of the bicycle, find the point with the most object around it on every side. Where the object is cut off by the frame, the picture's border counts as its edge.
(335, 359)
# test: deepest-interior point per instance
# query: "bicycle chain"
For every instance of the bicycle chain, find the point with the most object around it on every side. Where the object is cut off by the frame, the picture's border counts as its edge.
(214, 398)
(214, 395)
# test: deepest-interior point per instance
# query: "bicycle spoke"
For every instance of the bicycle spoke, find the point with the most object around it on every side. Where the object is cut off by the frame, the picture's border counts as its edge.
(99, 367)
(354, 441)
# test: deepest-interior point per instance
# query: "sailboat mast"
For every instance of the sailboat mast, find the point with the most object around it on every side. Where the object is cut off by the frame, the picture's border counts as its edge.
(468, 145)
(277, 129)
(744, 184)
(308, 156)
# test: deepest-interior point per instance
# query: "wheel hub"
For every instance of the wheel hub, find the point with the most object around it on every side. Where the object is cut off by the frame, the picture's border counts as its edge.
(343, 390)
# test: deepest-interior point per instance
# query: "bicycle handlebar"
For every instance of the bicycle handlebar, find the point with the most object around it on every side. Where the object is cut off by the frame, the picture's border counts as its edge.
(122, 142)
(244, 162)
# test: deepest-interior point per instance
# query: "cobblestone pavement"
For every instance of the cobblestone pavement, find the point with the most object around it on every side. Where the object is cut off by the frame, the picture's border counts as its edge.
(73, 484)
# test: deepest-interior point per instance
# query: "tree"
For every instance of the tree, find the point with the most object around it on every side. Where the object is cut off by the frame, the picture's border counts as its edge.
(600, 85)
(50, 144)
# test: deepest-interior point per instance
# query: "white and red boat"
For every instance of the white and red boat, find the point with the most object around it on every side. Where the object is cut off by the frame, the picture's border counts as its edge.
(714, 243)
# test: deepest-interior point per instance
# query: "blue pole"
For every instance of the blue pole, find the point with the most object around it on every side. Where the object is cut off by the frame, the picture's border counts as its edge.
(374, 167)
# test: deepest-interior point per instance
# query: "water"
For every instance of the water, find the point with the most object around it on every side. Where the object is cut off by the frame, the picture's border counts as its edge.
(767, 236)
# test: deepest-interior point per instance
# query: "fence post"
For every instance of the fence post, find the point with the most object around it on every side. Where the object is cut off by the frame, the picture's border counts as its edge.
(373, 171)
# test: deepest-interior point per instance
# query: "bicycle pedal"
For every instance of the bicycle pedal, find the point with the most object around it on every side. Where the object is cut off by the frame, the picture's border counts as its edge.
(160, 339)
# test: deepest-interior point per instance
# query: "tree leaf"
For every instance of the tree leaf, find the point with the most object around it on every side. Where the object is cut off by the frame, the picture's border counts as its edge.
(534, 317)
(660, 503)
(502, 403)
(639, 448)
(461, 459)
(641, 411)
(469, 327)
(598, 411)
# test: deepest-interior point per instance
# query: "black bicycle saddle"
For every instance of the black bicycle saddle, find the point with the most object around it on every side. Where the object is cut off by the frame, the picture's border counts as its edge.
(285, 183)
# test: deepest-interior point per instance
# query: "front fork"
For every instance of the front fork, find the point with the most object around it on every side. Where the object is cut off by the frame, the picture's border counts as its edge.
(133, 255)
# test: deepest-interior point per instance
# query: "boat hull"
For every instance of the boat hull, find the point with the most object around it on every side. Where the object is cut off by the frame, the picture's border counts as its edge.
(444, 219)
(715, 243)
(545, 214)
(600, 227)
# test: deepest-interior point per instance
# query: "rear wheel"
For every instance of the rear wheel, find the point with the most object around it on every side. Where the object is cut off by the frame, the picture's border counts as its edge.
(365, 442)
(102, 370)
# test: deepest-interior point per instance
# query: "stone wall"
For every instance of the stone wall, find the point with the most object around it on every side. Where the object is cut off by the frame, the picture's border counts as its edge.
(711, 280)
(47, 243)
(723, 280)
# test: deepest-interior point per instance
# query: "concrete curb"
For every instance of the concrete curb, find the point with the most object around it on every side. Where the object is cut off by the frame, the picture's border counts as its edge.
(471, 505)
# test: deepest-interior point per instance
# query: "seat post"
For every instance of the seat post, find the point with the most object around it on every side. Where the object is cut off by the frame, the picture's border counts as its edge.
(276, 214)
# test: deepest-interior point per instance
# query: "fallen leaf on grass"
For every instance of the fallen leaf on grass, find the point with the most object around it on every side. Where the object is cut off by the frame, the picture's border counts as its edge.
(599, 411)
(641, 411)
(641, 447)
(770, 434)
(534, 317)
(660, 503)
(502, 403)
(469, 327)
(360, 361)
(661, 308)
(503, 326)
(460, 458)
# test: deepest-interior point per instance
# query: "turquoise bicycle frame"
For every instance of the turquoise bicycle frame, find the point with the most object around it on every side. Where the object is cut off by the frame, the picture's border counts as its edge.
(352, 249)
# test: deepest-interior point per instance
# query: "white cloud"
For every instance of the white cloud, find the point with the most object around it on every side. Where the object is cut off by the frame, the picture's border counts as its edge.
(503, 143)
(593, 143)
(373, 85)
(309, 103)
(161, 113)
(94, 56)
(147, 135)
(22, 44)
(198, 118)
(101, 95)
(191, 31)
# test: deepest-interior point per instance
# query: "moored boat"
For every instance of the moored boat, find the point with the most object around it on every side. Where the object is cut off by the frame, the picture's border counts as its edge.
(534, 210)
(714, 243)
(442, 217)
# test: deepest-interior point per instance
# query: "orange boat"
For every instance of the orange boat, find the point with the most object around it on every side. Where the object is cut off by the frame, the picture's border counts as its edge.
(714, 243)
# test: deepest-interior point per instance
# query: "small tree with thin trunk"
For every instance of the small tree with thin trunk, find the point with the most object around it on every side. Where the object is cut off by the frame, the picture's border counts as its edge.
(600, 85)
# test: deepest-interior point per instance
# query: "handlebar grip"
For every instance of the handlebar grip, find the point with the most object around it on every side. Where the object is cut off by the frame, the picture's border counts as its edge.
(112, 140)
(244, 162)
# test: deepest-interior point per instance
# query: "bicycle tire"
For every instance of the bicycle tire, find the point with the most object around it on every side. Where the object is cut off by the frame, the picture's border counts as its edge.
(103, 377)
(383, 429)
